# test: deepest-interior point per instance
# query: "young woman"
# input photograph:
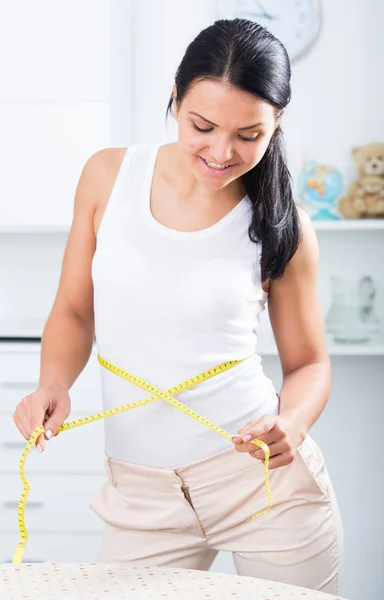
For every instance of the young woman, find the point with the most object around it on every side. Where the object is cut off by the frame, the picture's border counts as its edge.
(172, 255)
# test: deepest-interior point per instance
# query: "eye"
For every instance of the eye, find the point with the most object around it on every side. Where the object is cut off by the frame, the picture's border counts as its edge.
(244, 139)
(252, 139)
(202, 130)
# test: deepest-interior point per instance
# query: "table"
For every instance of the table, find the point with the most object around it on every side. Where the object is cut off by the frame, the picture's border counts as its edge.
(125, 581)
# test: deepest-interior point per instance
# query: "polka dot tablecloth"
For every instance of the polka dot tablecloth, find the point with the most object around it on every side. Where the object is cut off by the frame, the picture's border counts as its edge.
(101, 581)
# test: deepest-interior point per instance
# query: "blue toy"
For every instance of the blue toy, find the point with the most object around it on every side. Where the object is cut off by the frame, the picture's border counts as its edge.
(319, 188)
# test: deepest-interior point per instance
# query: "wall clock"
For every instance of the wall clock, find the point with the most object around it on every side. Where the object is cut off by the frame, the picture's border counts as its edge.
(296, 23)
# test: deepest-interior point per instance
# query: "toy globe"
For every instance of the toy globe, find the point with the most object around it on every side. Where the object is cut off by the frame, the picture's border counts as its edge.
(319, 188)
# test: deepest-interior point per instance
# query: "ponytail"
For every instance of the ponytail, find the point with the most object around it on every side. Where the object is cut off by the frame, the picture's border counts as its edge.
(275, 221)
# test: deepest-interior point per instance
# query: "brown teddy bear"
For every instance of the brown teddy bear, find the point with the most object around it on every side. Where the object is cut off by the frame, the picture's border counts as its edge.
(365, 197)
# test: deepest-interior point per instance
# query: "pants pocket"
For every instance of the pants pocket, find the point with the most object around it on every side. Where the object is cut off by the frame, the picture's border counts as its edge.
(310, 455)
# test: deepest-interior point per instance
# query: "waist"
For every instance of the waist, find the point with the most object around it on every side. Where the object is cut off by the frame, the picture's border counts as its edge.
(159, 435)
(164, 367)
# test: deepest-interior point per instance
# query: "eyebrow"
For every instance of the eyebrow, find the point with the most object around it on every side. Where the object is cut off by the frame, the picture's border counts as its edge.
(191, 112)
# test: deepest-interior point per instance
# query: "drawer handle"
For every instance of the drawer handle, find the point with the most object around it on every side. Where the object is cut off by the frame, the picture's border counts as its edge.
(11, 385)
(13, 504)
(14, 445)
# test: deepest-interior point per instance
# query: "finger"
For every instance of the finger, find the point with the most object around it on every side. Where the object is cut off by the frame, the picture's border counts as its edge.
(281, 460)
(56, 419)
(23, 423)
(33, 416)
(35, 420)
(251, 424)
(249, 447)
(259, 427)
(41, 440)
(274, 449)
(246, 446)
(40, 443)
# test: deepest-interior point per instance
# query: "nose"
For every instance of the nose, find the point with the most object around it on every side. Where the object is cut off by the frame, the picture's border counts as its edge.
(222, 153)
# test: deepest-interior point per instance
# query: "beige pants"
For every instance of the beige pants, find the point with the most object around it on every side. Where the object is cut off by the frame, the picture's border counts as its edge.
(182, 517)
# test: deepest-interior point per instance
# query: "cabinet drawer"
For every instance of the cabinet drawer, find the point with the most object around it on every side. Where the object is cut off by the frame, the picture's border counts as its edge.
(19, 367)
(55, 503)
(19, 376)
(79, 450)
(50, 547)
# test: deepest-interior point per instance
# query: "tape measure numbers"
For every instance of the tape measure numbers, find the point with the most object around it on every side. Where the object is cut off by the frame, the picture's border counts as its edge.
(157, 394)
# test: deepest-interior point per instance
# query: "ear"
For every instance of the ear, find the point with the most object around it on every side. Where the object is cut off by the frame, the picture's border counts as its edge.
(174, 105)
(355, 151)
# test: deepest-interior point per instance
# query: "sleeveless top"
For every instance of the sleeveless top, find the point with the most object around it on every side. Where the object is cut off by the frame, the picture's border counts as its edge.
(169, 305)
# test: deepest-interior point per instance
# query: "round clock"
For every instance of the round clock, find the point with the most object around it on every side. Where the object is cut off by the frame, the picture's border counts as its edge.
(296, 23)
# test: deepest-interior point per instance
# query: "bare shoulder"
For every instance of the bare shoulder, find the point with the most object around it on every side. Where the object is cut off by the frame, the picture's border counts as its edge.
(306, 223)
(303, 266)
(305, 257)
(307, 251)
(75, 289)
(100, 172)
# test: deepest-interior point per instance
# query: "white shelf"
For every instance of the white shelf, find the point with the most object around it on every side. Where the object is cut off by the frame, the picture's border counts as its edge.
(336, 350)
(368, 349)
(31, 347)
(34, 229)
(349, 225)
(373, 348)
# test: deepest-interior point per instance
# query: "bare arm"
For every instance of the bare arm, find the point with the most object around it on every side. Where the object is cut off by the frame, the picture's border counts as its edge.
(69, 331)
(297, 325)
(68, 334)
(298, 329)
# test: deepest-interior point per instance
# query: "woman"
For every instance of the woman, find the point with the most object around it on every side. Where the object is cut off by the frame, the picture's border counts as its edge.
(192, 238)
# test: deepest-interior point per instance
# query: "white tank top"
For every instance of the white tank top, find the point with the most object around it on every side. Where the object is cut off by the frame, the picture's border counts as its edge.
(170, 305)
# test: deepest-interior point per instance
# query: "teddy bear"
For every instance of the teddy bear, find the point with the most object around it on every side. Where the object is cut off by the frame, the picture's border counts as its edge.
(365, 196)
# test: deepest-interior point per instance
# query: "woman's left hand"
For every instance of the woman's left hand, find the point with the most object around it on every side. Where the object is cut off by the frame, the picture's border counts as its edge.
(278, 432)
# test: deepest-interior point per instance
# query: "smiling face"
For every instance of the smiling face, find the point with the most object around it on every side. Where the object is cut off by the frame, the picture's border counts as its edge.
(223, 131)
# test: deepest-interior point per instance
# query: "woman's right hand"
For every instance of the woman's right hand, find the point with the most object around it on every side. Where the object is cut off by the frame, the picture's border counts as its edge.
(47, 406)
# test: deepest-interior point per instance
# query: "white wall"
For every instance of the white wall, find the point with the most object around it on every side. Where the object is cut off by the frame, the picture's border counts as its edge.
(337, 89)
(54, 104)
(156, 36)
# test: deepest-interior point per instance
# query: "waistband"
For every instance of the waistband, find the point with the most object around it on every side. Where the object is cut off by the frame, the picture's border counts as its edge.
(208, 469)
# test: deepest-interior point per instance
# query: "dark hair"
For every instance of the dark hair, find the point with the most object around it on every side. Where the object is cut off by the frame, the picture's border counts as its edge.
(250, 58)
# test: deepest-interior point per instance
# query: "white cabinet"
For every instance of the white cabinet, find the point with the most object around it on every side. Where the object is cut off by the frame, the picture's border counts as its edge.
(53, 547)
(55, 502)
(78, 450)
(63, 479)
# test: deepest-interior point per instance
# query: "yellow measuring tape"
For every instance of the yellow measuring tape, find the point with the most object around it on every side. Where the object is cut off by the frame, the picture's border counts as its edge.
(156, 395)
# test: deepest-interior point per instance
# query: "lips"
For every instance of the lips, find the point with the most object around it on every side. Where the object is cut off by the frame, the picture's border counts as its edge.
(216, 167)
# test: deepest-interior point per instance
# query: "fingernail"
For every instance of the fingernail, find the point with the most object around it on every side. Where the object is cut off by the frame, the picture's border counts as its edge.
(236, 435)
(246, 438)
(39, 448)
(48, 434)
